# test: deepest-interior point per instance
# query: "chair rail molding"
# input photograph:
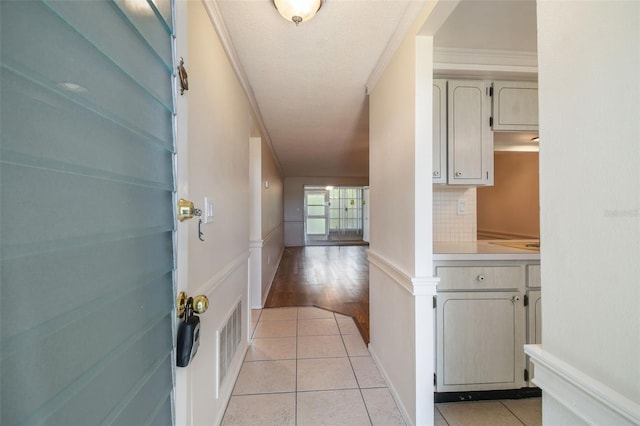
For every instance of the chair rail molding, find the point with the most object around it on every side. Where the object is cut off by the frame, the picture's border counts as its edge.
(587, 398)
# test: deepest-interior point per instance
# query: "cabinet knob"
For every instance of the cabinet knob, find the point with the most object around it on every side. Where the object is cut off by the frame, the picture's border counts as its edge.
(458, 174)
(480, 277)
(436, 173)
(516, 298)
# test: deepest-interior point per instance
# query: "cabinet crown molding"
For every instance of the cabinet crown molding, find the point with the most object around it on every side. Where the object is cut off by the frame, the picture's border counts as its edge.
(503, 64)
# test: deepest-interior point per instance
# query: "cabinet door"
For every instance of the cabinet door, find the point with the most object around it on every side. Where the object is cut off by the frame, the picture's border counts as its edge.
(470, 140)
(534, 325)
(515, 106)
(480, 338)
(439, 131)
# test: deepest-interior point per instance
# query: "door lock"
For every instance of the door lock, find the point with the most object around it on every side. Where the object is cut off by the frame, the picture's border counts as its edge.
(186, 210)
(198, 304)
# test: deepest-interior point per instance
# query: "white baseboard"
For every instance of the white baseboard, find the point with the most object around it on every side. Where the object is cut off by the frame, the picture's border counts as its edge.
(234, 372)
(394, 393)
(275, 270)
(582, 395)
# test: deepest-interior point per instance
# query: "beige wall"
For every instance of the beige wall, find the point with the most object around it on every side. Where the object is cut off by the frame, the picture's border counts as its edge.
(590, 202)
(294, 203)
(216, 141)
(267, 229)
(400, 282)
(511, 207)
(272, 197)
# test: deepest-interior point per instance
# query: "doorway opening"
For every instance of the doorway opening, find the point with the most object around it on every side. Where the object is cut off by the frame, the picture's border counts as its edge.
(333, 215)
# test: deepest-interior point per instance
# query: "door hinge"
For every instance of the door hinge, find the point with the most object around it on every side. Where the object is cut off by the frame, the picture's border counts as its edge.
(491, 121)
(526, 375)
(491, 91)
(435, 303)
(526, 300)
(435, 379)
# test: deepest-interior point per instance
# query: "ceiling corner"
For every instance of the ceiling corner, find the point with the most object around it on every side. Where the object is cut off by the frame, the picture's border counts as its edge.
(211, 6)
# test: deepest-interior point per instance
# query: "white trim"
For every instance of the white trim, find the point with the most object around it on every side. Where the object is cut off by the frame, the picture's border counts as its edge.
(587, 398)
(416, 286)
(261, 243)
(223, 273)
(211, 6)
(396, 274)
(392, 389)
(425, 286)
(257, 246)
(275, 271)
(272, 233)
(480, 60)
(234, 371)
(394, 43)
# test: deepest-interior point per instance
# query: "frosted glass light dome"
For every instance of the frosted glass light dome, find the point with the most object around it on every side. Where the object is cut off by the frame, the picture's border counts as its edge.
(297, 10)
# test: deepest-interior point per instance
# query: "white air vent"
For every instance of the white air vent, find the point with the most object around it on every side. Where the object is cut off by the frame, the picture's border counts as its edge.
(229, 337)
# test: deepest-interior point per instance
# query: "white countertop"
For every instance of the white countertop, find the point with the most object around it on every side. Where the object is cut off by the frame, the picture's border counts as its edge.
(482, 250)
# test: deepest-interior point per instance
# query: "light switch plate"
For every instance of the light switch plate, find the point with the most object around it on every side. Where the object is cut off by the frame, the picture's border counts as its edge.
(208, 210)
(462, 206)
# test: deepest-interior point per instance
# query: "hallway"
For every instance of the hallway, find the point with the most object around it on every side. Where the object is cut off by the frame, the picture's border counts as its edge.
(309, 365)
(335, 278)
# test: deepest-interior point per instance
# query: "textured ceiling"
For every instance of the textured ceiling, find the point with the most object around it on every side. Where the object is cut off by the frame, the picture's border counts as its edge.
(490, 25)
(309, 81)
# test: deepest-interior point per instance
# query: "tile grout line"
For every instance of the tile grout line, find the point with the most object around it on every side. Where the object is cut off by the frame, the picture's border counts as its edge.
(512, 413)
(355, 375)
(435, 407)
(295, 395)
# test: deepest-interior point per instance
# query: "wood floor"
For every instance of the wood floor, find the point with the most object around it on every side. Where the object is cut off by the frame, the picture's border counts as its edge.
(330, 277)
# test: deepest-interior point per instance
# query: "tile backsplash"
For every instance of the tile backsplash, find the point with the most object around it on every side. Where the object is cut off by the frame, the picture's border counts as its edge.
(448, 225)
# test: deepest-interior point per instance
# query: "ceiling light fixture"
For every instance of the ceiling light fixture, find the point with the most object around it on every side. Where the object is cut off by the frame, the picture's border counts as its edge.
(298, 10)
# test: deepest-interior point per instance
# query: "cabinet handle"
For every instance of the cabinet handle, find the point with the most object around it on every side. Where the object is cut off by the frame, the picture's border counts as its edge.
(480, 277)
(458, 174)
(516, 298)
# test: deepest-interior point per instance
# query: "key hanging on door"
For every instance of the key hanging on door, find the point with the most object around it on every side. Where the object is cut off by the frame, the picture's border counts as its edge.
(188, 336)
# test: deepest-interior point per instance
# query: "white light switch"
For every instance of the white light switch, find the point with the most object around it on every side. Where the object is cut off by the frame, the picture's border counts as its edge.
(462, 206)
(208, 210)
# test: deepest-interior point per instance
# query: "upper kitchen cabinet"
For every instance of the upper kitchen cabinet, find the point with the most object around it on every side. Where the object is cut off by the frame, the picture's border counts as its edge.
(515, 106)
(470, 140)
(439, 131)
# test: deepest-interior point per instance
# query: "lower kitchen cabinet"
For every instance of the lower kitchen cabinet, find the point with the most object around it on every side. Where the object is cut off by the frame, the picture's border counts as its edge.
(480, 338)
(534, 322)
(485, 312)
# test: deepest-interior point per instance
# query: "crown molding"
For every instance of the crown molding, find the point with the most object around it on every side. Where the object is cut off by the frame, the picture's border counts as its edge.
(455, 61)
(405, 24)
(211, 6)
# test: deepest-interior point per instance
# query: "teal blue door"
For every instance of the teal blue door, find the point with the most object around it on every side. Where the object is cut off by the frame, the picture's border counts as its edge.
(86, 217)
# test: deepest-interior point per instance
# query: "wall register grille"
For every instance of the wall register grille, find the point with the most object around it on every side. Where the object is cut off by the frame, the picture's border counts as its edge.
(229, 338)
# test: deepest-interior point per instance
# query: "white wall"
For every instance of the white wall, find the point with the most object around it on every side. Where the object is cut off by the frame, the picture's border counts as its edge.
(267, 228)
(589, 77)
(401, 282)
(217, 139)
(294, 203)
(272, 218)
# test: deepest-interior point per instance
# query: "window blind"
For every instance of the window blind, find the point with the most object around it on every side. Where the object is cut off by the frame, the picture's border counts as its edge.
(86, 218)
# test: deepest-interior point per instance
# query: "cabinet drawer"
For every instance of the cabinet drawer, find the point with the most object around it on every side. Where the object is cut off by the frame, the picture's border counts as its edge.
(480, 278)
(533, 276)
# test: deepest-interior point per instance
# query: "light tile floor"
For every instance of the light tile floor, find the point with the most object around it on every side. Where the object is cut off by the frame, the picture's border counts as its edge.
(309, 366)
